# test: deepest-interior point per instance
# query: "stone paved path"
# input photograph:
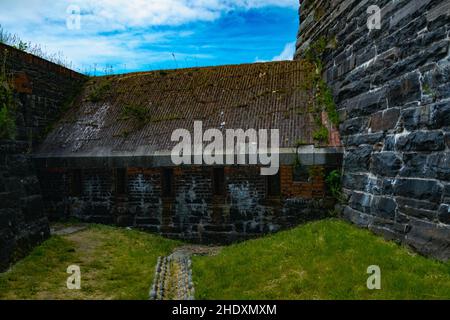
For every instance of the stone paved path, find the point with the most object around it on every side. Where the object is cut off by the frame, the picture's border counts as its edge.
(173, 274)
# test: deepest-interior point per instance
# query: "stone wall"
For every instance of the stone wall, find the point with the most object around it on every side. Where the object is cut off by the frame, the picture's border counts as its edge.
(392, 90)
(41, 89)
(193, 213)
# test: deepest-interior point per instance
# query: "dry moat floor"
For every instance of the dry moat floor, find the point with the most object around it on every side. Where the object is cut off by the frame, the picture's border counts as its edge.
(321, 260)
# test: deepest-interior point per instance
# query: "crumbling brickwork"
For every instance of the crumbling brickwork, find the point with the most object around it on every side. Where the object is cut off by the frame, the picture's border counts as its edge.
(392, 89)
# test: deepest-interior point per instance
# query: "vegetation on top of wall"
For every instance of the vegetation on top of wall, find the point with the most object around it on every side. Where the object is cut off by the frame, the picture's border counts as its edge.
(7, 105)
(99, 90)
(14, 40)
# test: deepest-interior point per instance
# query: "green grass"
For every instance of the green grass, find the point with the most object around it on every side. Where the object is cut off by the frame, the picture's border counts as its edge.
(321, 260)
(115, 264)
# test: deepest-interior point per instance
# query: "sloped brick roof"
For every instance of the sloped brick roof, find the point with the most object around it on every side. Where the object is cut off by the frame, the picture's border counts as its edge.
(260, 96)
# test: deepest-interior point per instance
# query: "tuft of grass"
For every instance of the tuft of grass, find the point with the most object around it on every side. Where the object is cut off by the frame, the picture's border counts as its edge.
(136, 112)
(321, 134)
(115, 264)
(99, 90)
(320, 260)
(13, 40)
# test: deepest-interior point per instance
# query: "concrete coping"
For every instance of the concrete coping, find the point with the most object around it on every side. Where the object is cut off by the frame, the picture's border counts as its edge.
(308, 155)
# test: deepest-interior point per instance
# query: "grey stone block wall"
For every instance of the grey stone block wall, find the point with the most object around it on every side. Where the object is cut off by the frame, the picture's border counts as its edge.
(41, 91)
(392, 89)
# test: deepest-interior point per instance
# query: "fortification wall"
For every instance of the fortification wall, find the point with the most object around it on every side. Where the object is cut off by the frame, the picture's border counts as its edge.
(194, 212)
(41, 89)
(392, 90)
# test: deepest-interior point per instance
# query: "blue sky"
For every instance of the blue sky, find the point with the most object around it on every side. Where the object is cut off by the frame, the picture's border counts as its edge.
(138, 35)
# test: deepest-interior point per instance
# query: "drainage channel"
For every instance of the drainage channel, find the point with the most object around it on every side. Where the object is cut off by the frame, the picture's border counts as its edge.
(173, 274)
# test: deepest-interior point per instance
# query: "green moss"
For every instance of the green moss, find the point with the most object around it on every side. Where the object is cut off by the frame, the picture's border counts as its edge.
(429, 92)
(7, 124)
(325, 99)
(323, 96)
(7, 104)
(143, 115)
(316, 50)
(139, 113)
(319, 13)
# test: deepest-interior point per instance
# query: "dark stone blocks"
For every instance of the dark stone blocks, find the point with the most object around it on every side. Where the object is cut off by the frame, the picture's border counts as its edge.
(358, 159)
(385, 120)
(421, 141)
(421, 189)
(404, 90)
(386, 164)
(397, 164)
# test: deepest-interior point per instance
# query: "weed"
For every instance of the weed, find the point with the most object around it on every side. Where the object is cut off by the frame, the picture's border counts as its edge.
(333, 181)
(100, 90)
(321, 134)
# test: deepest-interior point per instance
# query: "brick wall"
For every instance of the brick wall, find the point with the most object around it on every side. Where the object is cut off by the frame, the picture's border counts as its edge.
(392, 89)
(41, 91)
(193, 212)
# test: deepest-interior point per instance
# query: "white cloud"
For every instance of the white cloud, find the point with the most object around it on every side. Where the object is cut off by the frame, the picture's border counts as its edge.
(108, 15)
(114, 28)
(287, 53)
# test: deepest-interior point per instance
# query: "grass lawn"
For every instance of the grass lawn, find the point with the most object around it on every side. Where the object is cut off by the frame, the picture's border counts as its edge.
(115, 264)
(321, 260)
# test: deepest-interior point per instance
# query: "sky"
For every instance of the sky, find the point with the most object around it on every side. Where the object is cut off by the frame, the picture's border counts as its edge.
(138, 35)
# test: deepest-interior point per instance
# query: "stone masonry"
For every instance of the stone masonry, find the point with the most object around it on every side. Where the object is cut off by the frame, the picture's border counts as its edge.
(40, 91)
(392, 89)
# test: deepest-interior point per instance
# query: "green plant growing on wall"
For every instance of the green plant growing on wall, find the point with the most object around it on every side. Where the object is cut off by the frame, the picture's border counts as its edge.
(297, 162)
(429, 92)
(7, 106)
(325, 99)
(139, 113)
(333, 181)
(316, 172)
(323, 96)
(321, 134)
(99, 90)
